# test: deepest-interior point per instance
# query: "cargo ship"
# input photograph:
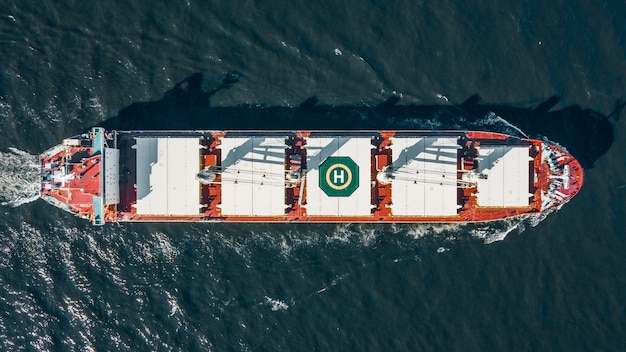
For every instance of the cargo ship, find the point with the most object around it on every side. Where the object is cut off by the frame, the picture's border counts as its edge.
(313, 176)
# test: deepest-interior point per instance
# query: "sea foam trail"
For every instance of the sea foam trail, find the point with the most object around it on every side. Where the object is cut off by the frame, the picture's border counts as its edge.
(19, 177)
(494, 120)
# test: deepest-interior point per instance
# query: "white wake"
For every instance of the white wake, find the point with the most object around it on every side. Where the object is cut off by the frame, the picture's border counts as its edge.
(19, 177)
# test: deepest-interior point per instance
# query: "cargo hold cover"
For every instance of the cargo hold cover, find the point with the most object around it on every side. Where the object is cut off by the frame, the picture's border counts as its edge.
(166, 176)
(341, 156)
(253, 176)
(507, 169)
(424, 176)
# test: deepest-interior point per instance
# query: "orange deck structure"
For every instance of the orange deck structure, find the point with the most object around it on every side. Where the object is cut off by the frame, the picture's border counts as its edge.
(306, 176)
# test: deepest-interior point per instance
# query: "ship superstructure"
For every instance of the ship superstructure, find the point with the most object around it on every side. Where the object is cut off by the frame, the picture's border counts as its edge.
(306, 176)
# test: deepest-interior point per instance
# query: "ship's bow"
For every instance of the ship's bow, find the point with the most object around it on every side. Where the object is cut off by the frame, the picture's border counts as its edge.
(562, 176)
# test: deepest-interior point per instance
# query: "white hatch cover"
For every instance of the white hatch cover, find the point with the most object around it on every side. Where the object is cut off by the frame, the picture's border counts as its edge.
(338, 179)
(508, 176)
(166, 175)
(424, 176)
(253, 176)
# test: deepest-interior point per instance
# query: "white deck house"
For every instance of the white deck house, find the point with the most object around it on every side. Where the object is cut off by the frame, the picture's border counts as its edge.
(111, 176)
(424, 176)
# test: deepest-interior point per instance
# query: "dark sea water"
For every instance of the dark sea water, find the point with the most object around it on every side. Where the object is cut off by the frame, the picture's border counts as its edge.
(553, 284)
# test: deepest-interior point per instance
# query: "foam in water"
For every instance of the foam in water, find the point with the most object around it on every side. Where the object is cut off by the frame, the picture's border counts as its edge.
(276, 304)
(19, 174)
(494, 119)
(498, 230)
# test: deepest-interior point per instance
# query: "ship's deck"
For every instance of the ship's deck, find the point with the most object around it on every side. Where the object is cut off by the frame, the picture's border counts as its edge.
(158, 176)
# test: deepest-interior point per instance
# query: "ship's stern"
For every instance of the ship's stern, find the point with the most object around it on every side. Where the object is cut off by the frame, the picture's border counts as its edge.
(72, 173)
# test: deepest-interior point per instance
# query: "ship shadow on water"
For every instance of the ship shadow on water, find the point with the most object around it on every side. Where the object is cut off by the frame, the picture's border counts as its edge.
(587, 134)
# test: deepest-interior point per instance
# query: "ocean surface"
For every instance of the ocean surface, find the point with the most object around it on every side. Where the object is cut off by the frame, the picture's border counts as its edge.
(544, 69)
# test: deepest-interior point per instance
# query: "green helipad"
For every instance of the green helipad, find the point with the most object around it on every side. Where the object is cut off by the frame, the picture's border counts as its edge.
(339, 176)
